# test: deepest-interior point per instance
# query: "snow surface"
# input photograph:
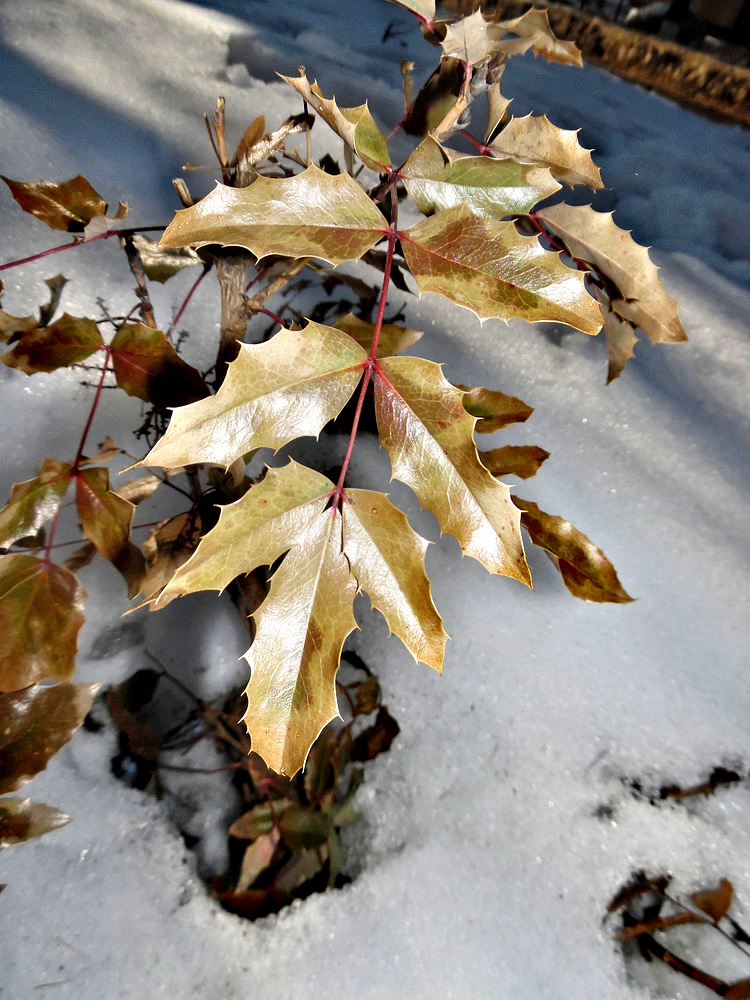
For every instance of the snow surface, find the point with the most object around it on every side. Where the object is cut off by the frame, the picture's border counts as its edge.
(500, 824)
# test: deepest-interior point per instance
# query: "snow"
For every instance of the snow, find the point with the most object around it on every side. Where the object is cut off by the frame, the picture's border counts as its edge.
(501, 823)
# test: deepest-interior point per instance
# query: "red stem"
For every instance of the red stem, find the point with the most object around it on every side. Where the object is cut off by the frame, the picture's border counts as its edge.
(79, 243)
(267, 312)
(186, 300)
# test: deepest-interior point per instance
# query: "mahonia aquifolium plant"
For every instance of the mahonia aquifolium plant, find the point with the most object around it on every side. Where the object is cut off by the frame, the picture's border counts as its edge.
(274, 217)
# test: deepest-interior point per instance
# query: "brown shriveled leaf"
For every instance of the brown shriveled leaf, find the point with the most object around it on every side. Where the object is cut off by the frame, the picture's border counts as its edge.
(81, 557)
(486, 266)
(159, 263)
(715, 902)
(355, 125)
(311, 214)
(535, 138)
(55, 285)
(41, 614)
(534, 32)
(287, 388)
(147, 366)
(12, 326)
(301, 867)
(22, 819)
(108, 449)
(594, 238)
(67, 206)
(135, 491)
(429, 437)
(387, 558)
(658, 924)
(472, 39)
(738, 991)
(67, 342)
(523, 460)
(377, 738)
(621, 340)
(438, 178)
(169, 545)
(257, 858)
(394, 339)
(424, 9)
(106, 520)
(586, 571)
(34, 502)
(34, 724)
(250, 137)
(493, 409)
(439, 99)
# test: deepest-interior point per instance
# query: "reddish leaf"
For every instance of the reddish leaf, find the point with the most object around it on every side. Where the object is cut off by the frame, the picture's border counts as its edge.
(106, 519)
(67, 342)
(22, 819)
(34, 502)
(738, 991)
(493, 409)
(147, 366)
(41, 613)
(257, 858)
(169, 545)
(67, 206)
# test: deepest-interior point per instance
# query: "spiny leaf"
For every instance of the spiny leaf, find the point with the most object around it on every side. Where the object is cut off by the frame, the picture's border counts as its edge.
(11, 326)
(67, 206)
(105, 520)
(621, 341)
(493, 409)
(488, 267)
(34, 502)
(472, 39)
(534, 31)
(67, 342)
(586, 571)
(424, 9)
(438, 178)
(523, 461)
(429, 437)
(593, 237)
(312, 214)
(160, 263)
(355, 125)
(497, 108)
(289, 387)
(34, 724)
(393, 338)
(147, 366)
(535, 138)
(22, 819)
(387, 558)
(41, 614)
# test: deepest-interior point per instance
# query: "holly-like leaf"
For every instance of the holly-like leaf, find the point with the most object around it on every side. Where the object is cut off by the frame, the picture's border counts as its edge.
(424, 9)
(161, 263)
(472, 39)
(586, 571)
(22, 819)
(105, 520)
(41, 614)
(67, 206)
(356, 126)
(394, 339)
(441, 99)
(486, 266)
(621, 341)
(387, 558)
(12, 326)
(168, 547)
(594, 238)
(147, 366)
(523, 460)
(438, 178)
(312, 214)
(535, 138)
(497, 109)
(34, 502)
(34, 724)
(67, 342)
(715, 902)
(429, 437)
(534, 32)
(287, 388)
(493, 409)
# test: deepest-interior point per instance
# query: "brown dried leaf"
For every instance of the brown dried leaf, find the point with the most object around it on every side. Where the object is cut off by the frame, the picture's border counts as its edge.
(67, 342)
(523, 461)
(34, 502)
(169, 545)
(715, 902)
(135, 491)
(105, 520)
(159, 263)
(535, 138)
(738, 991)
(377, 738)
(22, 819)
(147, 366)
(658, 924)
(493, 409)
(621, 341)
(534, 31)
(67, 206)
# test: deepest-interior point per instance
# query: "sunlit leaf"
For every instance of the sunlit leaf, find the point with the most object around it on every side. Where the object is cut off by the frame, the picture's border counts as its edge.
(535, 138)
(312, 214)
(514, 460)
(486, 266)
(34, 724)
(67, 342)
(41, 614)
(497, 109)
(393, 338)
(493, 409)
(424, 9)
(429, 437)
(621, 341)
(34, 502)
(67, 206)
(534, 31)
(289, 387)
(147, 366)
(22, 819)
(161, 263)
(471, 39)
(105, 520)
(586, 571)
(438, 178)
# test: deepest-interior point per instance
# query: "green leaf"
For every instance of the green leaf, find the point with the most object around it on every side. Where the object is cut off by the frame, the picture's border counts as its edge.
(387, 558)
(536, 139)
(147, 366)
(438, 178)
(22, 819)
(67, 206)
(312, 214)
(429, 437)
(34, 724)
(303, 827)
(488, 267)
(394, 339)
(355, 125)
(287, 388)
(259, 820)
(34, 502)
(534, 32)
(493, 409)
(514, 460)
(67, 342)
(586, 571)
(41, 614)
(106, 520)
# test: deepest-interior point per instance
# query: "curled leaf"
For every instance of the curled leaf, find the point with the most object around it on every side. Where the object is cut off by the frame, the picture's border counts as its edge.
(523, 461)
(22, 819)
(106, 519)
(493, 409)
(66, 206)
(534, 32)
(162, 263)
(67, 342)
(715, 902)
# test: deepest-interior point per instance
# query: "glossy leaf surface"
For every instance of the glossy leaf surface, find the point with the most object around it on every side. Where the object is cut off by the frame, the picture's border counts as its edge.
(22, 819)
(34, 502)
(523, 460)
(147, 366)
(535, 138)
(66, 206)
(67, 342)
(471, 39)
(106, 520)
